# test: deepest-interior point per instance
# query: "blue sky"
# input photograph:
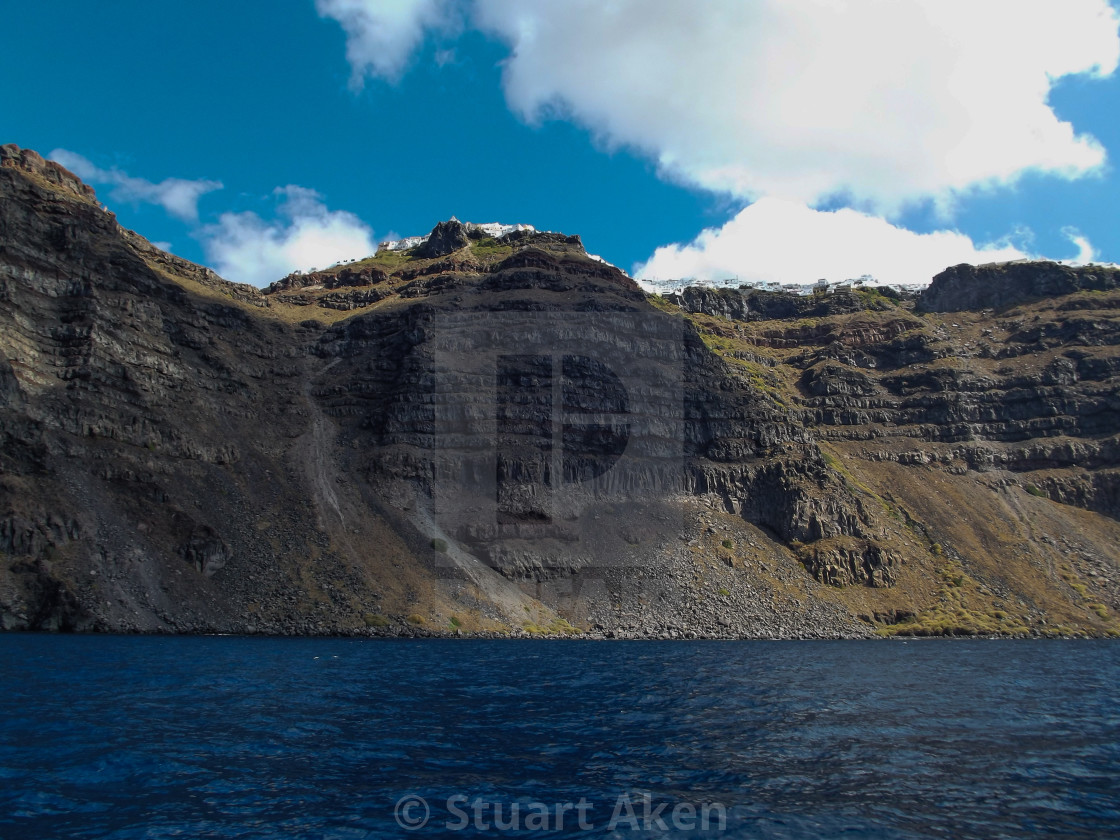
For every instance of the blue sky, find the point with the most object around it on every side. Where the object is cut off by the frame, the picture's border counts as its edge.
(765, 141)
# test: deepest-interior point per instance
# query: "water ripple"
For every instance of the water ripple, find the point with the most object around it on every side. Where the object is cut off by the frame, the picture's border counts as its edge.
(130, 737)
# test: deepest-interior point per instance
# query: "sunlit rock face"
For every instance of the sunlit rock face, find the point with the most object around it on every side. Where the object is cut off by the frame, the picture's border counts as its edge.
(492, 426)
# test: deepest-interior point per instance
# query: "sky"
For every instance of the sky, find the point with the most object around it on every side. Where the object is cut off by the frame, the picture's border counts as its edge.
(770, 140)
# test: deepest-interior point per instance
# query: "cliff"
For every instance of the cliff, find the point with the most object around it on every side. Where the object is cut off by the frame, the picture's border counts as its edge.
(1001, 285)
(503, 435)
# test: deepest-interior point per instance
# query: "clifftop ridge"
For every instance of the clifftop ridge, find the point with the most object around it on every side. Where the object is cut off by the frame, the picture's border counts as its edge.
(1000, 285)
(32, 163)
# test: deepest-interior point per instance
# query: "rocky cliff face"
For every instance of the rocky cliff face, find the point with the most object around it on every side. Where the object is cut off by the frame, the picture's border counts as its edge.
(1000, 285)
(505, 435)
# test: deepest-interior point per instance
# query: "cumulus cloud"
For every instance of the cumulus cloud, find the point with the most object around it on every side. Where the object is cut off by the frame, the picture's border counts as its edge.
(882, 102)
(178, 196)
(381, 35)
(245, 248)
(777, 240)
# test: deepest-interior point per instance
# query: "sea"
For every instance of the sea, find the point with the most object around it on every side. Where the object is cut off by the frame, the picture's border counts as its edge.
(343, 739)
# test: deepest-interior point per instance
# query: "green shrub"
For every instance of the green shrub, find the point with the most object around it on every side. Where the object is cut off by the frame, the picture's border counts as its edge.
(727, 544)
(375, 620)
(439, 545)
(562, 625)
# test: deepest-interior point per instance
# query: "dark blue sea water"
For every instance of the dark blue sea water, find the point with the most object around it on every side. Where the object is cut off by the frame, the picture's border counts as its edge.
(133, 737)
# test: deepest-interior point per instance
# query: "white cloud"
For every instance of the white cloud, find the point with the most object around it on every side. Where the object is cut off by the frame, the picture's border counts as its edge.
(785, 241)
(245, 248)
(883, 102)
(873, 104)
(381, 35)
(177, 196)
(1086, 253)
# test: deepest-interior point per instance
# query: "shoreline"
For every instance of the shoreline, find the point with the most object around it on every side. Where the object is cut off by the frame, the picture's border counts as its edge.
(518, 636)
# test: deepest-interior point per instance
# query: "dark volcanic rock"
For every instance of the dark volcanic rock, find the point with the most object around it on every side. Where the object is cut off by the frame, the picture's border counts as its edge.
(510, 433)
(33, 163)
(757, 305)
(543, 239)
(999, 285)
(344, 278)
(845, 565)
(445, 238)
